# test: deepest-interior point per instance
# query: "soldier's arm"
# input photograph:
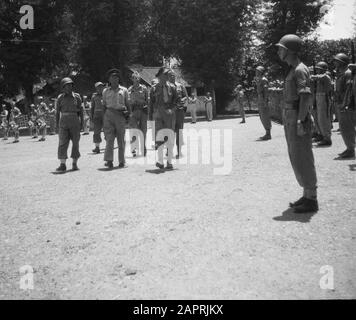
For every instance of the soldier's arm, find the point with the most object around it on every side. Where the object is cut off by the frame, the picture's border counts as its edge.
(265, 91)
(58, 110)
(81, 109)
(304, 92)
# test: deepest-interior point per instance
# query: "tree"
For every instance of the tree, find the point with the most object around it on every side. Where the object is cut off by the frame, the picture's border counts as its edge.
(26, 55)
(284, 17)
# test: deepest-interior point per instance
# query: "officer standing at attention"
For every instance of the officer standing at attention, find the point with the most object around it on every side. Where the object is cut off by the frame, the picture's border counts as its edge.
(163, 99)
(346, 113)
(138, 98)
(323, 102)
(69, 120)
(117, 109)
(262, 96)
(297, 122)
(181, 108)
(97, 114)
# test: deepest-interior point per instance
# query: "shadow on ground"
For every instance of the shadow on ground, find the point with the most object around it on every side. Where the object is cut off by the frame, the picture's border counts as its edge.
(289, 215)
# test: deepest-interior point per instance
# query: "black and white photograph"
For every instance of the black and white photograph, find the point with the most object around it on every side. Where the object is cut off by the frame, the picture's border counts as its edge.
(177, 150)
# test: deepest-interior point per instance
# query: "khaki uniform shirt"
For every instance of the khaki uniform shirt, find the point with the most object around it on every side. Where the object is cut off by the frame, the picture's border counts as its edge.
(97, 106)
(138, 96)
(71, 103)
(116, 99)
(163, 96)
(297, 82)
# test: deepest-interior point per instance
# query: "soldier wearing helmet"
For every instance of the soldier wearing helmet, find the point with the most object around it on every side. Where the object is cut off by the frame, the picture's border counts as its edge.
(117, 109)
(345, 115)
(4, 125)
(97, 114)
(42, 110)
(323, 85)
(297, 122)
(69, 120)
(138, 98)
(262, 94)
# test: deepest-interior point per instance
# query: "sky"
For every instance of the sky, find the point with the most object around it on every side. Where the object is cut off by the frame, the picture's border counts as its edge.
(338, 22)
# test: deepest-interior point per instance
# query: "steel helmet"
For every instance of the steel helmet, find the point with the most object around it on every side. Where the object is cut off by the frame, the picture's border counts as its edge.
(98, 84)
(260, 69)
(322, 66)
(291, 42)
(66, 81)
(342, 57)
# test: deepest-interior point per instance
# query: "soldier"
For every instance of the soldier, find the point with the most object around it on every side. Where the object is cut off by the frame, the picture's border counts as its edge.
(262, 96)
(209, 106)
(4, 123)
(193, 107)
(138, 98)
(181, 108)
(97, 114)
(297, 122)
(86, 115)
(52, 119)
(323, 85)
(345, 114)
(239, 95)
(163, 98)
(41, 121)
(117, 110)
(15, 113)
(69, 120)
(33, 122)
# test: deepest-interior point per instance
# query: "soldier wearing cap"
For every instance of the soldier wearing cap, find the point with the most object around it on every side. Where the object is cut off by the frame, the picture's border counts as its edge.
(117, 109)
(193, 100)
(138, 98)
(297, 122)
(323, 102)
(86, 114)
(97, 114)
(346, 113)
(163, 99)
(181, 108)
(239, 95)
(262, 96)
(69, 120)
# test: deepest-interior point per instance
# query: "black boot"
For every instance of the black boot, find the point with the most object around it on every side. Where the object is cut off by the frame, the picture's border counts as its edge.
(297, 203)
(325, 143)
(75, 167)
(96, 150)
(308, 206)
(62, 167)
(159, 166)
(109, 164)
(349, 154)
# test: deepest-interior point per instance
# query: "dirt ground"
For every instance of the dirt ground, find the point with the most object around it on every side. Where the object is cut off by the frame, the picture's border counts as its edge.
(185, 234)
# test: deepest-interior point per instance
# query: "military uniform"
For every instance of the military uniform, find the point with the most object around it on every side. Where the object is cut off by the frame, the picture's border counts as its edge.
(297, 123)
(33, 122)
(209, 108)
(13, 123)
(4, 123)
(97, 114)
(138, 99)
(263, 108)
(41, 120)
(115, 103)
(181, 108)
(69, 112)
(163, 99)
(323, 104)
(347, 119)
(193, 108)
(52, 119)
(239, 95)
(86, 113)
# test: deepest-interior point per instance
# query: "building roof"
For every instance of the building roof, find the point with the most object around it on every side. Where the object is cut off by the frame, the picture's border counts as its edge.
(149, 73)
